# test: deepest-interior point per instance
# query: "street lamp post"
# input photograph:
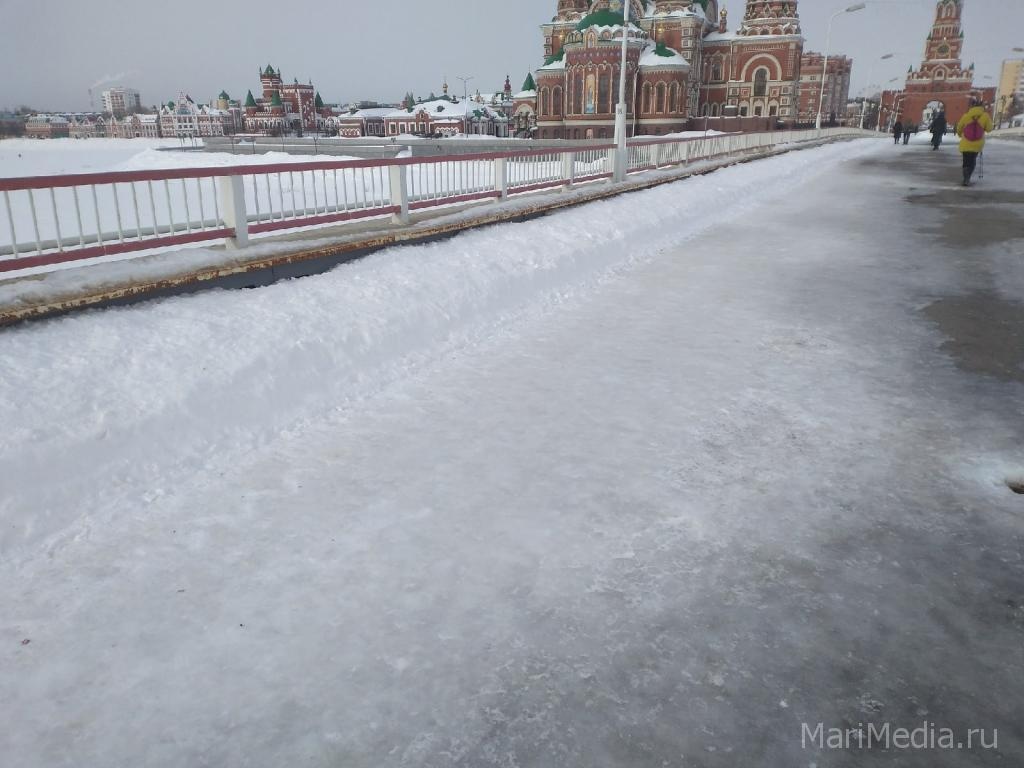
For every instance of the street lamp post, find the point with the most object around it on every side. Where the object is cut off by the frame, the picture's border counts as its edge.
(620, 108)
(828, 43)
(465, 98)
(871, 74)
(878, 127)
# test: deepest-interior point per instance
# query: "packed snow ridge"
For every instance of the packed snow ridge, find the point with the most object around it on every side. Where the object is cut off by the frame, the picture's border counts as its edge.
(122, 403)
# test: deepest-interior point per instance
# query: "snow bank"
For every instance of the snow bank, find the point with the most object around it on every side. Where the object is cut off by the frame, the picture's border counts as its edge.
(129, 403)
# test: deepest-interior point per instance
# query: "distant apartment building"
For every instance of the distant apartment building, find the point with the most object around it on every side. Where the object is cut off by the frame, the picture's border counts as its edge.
(1010, 94)
(121, 101)
(836, 75)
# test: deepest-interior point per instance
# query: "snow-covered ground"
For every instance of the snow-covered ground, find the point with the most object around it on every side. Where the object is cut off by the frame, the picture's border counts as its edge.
(646, 482)
(32, 157)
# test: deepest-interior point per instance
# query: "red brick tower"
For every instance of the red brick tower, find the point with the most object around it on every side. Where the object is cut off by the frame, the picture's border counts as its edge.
(941, 82)
(271, 82)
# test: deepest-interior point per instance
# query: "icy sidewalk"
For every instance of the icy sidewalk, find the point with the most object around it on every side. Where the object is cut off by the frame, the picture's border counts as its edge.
(655, 504)
(128, 403)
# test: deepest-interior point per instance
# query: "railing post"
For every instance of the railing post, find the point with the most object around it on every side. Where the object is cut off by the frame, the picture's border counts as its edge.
(613, 160)
(232, 204)
(568, 169)
(501, 177)
(399, 193)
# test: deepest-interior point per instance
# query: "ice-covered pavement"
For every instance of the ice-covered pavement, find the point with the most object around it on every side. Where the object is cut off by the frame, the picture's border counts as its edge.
(651, 482)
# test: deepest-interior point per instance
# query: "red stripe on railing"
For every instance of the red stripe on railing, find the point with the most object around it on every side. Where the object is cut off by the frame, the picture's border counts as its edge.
(432, 202)
(93, 251)
(312, 221)
(117, 177)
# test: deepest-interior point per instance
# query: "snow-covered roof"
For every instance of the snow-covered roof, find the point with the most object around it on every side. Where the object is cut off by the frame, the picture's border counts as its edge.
(662, 56)
(525, 95)
(720, 36)
(558, 64)
(442, 108)
(694, 10)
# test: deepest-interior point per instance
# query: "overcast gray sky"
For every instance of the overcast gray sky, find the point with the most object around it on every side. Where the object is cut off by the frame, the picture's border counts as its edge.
(53, 50)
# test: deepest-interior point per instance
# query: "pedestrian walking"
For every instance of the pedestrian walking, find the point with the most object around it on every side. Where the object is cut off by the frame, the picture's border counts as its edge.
(907, 130)
(938, 129)
(971, 129)
(897, 132)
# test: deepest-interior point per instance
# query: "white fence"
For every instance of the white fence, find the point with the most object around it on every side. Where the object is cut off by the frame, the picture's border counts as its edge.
(54, 219)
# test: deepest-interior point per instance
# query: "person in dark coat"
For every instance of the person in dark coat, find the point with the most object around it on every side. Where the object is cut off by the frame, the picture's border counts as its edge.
(897, 132)
(938, 129)
(908, 129)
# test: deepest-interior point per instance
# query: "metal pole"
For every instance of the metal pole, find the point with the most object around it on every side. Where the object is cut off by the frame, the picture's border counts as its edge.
(620, 109)
(824, 70)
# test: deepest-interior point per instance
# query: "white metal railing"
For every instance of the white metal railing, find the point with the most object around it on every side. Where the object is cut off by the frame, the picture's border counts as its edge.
(53, 219)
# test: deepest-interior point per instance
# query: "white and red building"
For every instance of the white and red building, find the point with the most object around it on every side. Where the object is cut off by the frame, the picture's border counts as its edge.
(284, 108)
(360, 123)
(447, 117)
(186, 119)
(682, 62)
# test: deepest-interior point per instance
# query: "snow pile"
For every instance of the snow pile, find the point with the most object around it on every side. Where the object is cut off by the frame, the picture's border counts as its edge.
(217, 375)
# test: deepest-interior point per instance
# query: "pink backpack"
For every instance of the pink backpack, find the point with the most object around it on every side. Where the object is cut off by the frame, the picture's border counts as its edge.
(973, 130)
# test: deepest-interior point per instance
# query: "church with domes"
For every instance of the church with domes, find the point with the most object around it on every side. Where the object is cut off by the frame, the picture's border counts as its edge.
(682, 62)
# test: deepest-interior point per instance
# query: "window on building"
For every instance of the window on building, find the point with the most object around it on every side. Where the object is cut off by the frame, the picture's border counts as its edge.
(646, 104)
(662, 97)
(716, 70)
(758, 110)
(604, 90)
(744, 109)
(673, 103)
(761, 82)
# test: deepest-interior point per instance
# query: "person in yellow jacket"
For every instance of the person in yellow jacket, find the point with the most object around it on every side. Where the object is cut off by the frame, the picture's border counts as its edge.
(972, 129)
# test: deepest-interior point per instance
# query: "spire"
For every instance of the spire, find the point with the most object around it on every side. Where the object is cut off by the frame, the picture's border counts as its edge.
(249, 100)
(318, 102)
(944, 43)
(771, 17)
(572, 10)
(528, 84)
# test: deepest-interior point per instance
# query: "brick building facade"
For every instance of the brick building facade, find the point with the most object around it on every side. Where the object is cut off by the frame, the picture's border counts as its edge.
(284, 107)
(682, 61)
(836, 94)
(941, 82)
